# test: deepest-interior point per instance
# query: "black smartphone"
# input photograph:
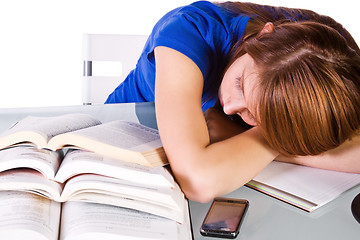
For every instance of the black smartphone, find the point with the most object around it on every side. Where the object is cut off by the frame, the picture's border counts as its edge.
(224, 218)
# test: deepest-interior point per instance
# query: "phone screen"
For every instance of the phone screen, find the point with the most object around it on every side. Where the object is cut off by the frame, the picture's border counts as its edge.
(224, 217)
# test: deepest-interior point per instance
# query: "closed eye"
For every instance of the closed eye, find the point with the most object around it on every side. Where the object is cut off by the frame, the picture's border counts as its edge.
(239, 83)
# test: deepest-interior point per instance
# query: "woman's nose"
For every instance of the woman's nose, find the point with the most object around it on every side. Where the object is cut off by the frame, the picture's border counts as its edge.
(232, 107)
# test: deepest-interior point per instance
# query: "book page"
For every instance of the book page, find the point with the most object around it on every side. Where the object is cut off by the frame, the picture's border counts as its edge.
(78, 162)
(185, 229)
(45, 161)
(46, 127)
(161, 201)
(30, 181)
(121, 134)
(118, 139)
(27, 216)
(89, 221)
(115, 186)
(315, 185)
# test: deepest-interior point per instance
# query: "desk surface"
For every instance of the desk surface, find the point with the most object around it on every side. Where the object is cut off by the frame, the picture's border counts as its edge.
(267, 218)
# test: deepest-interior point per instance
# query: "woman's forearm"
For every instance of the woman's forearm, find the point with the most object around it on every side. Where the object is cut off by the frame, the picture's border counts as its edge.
(344, 158)
(221, 167)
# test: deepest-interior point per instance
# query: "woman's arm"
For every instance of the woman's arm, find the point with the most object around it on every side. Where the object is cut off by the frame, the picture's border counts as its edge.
(203, 170)
(344, 158)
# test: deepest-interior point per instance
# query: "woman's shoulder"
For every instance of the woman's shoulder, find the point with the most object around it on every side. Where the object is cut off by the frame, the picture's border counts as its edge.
(202, 31)
(203, 13)
(200, 24)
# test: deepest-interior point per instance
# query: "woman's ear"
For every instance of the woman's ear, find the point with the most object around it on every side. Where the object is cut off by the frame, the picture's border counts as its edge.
(268, 28)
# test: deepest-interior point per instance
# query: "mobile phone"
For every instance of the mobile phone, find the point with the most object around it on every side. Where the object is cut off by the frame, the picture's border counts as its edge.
(224, 218)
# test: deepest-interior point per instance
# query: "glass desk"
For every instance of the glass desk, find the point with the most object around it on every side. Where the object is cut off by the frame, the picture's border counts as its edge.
(267, 218)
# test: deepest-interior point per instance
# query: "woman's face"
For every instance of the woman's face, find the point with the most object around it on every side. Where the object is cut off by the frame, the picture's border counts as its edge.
(237, 92)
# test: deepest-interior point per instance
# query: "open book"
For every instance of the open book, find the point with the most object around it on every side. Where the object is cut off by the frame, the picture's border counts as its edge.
(86, 176)
(122, 140)
(27, 216)
(304, 187)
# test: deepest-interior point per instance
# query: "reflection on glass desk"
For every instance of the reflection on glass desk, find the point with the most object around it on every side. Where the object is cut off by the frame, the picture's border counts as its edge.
(267, 218)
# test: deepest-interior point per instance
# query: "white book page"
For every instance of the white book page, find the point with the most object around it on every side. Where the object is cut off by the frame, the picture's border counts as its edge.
(162, 201)
(31, 181)
(89, 221)
(315, 185)
(78, 161)
(109, 185)
(184, 229)
(118, 187)
(45, 161)
(49, 127)
(27, 216)
(126, 135)
(127, 202)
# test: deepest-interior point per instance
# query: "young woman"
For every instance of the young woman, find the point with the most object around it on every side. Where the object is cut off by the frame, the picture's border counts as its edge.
(291, 76)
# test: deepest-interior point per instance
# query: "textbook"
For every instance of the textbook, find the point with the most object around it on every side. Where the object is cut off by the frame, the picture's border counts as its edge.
(25, 215)
(122, 140)
(304, 187)
(86, 176)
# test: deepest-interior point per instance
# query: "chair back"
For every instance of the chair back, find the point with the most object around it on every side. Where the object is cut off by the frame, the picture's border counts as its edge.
(107, 59)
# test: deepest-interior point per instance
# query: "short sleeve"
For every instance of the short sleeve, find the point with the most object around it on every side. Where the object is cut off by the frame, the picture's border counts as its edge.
(203, 32)
(187, 36)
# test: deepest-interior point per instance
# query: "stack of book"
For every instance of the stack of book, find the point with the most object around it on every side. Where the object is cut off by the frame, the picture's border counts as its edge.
(72, 177)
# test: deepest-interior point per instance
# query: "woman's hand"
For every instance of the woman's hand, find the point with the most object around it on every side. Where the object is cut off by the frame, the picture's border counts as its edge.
(220, 126)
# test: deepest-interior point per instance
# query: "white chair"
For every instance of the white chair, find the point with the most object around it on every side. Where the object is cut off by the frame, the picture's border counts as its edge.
(101, 49)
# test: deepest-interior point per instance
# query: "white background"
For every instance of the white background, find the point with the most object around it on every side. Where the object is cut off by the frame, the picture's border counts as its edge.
(40, 40)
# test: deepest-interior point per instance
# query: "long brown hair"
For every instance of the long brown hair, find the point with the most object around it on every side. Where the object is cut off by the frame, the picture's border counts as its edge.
(309, 87)
(261, 14)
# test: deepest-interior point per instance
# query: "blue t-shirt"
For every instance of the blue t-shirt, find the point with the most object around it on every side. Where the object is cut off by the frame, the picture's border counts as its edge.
(202, 31)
